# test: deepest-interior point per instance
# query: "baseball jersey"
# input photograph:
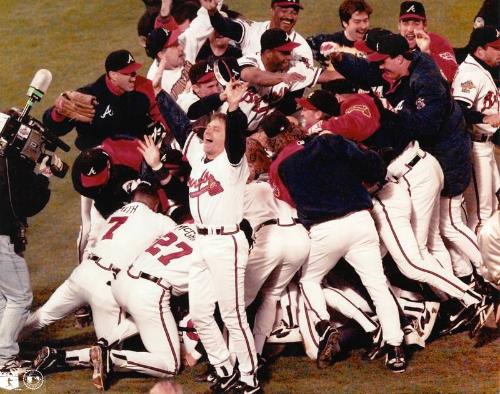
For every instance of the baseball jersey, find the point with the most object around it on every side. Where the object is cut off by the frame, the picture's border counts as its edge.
(475, 86)
(170, 257)
(187, 98)
(128, 231)
(215, 186)
(250, 40)
(259, 203)
(259, 101)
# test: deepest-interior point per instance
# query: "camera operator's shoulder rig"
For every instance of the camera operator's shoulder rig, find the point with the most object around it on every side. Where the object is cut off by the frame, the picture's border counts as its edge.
(27, 138)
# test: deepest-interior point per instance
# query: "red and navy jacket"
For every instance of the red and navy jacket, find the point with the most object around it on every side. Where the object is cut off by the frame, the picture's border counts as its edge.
(126, 164)
(363, 119)
(324, 177)
(126, 114)
(425, 111)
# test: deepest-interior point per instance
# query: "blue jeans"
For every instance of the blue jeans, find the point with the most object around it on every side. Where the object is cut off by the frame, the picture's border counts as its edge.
(15, 298)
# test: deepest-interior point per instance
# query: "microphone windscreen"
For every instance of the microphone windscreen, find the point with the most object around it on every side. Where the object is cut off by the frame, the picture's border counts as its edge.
(42, 79)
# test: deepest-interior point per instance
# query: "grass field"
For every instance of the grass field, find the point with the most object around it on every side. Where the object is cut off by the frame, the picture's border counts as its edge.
(72, 39)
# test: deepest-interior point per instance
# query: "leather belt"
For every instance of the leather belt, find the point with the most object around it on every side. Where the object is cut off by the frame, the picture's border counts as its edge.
(377, 187)
(217, 230)
(156, 280)
(480, 137)
(275, 221)
(96, 259)
(415, 160)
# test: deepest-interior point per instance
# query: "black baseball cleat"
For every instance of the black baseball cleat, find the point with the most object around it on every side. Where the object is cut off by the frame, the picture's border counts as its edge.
(225, 384)
(244, 388)
(328, 346)
(101, 361)
(460, 320)
(377, 348)
(395, 359)
(48, 358)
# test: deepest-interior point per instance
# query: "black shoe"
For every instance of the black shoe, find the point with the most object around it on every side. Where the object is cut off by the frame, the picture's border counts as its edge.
(377, 349)
(328, 347)
(459, 321)
(395, 359)
(48, 358)
(243, 388)
(225, 385)
(101, 361)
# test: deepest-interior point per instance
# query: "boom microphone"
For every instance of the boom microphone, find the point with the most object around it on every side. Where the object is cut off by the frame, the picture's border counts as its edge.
(39, 85)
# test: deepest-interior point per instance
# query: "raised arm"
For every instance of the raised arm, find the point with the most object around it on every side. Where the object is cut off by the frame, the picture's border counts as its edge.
(236, 123)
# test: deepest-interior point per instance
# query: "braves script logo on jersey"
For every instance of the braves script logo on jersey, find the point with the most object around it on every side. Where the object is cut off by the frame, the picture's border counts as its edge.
(206, 184)
(489, 100)
(360, 108)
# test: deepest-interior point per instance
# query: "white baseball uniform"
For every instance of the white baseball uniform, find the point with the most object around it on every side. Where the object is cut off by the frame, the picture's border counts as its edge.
(144, 291)
(216, 190)
(474, 85)
(281, 247)
(260, 101)
(394, 217)
(127, 232)
(489, 241)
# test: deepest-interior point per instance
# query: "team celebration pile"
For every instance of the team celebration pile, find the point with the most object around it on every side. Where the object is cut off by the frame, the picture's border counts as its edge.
(258, 188)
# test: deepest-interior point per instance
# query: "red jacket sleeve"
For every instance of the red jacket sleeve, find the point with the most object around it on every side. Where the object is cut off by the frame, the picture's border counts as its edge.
(145, 86)
(443, 55)
(359, 118)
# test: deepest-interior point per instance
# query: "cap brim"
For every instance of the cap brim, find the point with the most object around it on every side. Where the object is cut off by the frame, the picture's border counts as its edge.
(376, 57)
(130, 68)
(288, 4)
(288, 47)
(305, 103)
(412, 16)
(173, 38)
(99, 179)
(206, 77)
(494, 44)
(360, 45)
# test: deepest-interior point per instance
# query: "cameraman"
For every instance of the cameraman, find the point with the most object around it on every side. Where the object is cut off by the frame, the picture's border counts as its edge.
(23, 193)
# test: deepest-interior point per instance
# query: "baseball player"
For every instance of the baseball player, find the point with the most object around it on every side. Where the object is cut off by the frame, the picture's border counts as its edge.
(247, 35)
(355, 20)
(126, 234)
(413, 26)
(299, 163)
(143, 290)
(475, 90)
(216, 185)
(489, 242)
(281, 245)
(392, 202)
(273, 75)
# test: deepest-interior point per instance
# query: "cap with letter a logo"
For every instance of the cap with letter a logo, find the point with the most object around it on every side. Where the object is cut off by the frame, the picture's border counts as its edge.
(412, 10)
(92, 168)
(121, 61)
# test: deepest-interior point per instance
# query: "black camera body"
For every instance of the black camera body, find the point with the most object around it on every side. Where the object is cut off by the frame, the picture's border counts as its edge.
(27, 138)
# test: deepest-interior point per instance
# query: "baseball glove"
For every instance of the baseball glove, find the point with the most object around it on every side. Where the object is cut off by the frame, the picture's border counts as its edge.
(76, 105)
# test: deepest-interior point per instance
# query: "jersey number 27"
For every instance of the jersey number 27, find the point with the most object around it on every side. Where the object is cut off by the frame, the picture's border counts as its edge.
(167, 240)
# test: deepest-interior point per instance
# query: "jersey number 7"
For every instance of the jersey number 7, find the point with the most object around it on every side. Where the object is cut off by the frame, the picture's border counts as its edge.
(166, 241)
